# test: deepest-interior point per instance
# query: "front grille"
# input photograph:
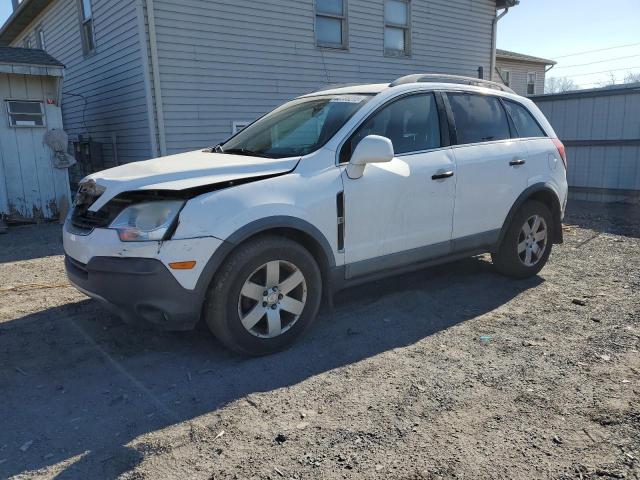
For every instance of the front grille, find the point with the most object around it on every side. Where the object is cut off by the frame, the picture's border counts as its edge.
(86, 220)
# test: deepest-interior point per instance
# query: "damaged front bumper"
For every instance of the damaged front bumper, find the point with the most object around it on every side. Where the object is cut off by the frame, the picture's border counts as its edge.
(134, 279)
(138, 290)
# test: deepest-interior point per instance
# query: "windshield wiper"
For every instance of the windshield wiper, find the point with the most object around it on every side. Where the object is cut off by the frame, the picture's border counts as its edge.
(243, 151)
(215, 149)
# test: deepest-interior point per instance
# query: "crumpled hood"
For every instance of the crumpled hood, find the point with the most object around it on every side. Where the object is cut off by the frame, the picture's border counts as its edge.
(183, 171)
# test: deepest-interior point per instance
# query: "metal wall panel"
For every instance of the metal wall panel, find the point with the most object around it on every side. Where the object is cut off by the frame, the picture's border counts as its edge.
(601, 129)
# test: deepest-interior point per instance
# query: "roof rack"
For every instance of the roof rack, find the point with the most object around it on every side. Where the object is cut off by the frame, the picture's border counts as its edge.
(442, 78)
(335, 86)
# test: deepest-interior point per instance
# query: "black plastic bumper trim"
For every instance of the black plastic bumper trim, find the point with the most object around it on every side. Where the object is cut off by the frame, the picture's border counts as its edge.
(139, 290)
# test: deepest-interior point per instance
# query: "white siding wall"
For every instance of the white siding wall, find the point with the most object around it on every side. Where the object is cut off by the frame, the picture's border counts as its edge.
(30, 187)
(224, 61)
(104, 93)
(519, 72)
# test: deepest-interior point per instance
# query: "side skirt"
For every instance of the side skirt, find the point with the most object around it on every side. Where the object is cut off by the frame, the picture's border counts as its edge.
(372, 269)
(340, 282)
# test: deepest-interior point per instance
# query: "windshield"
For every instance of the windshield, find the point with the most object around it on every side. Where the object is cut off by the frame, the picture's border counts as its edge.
(296, 128)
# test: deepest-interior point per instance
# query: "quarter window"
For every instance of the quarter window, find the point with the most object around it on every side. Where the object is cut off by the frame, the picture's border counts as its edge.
(531, 83)
(86, 27)
(331, 23)
(25, 113)
(478, 118)
(411, 123)
(397, 27)
(525, 124)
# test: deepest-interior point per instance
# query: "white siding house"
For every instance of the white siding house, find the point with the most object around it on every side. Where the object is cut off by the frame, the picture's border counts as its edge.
(524, 74)
(148, 77)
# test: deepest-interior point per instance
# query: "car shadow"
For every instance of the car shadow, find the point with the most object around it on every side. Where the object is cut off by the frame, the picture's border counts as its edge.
(79, 385)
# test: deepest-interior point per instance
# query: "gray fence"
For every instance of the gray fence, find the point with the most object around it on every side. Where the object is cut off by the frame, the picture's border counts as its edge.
(601, 130)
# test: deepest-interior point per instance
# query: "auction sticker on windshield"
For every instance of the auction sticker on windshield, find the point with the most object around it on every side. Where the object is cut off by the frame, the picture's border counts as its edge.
(349, 99)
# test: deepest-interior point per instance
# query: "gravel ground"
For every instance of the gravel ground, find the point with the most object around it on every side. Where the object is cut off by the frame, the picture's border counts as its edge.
(452, 372)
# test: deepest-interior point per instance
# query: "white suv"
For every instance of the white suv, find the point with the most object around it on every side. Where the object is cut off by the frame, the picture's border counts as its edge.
(329, 190)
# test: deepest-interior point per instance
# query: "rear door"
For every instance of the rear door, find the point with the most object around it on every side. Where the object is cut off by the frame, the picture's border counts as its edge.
(491, 168)
(543, 158)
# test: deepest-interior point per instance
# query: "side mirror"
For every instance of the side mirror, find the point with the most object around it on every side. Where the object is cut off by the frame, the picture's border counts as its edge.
(371, 149)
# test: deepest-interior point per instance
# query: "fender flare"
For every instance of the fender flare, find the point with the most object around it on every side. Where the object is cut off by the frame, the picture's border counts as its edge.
(526, 195)
(258, 226)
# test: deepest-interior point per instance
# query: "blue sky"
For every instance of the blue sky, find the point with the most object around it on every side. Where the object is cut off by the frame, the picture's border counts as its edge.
(556, 28)
(5, 10)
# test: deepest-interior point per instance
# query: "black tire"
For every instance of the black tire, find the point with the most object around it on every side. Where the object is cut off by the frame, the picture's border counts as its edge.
(222, 306)
(507, 259)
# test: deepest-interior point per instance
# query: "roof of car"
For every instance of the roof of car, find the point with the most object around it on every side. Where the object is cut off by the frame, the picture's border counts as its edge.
(435, 83)
(372, 88)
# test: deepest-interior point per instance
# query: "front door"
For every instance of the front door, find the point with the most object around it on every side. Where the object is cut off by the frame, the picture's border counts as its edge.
(400, 212)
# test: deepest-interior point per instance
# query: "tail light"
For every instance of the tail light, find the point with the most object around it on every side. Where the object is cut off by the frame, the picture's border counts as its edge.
(561, 150)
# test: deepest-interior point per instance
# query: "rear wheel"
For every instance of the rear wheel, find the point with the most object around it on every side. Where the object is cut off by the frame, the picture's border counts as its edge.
(526, 245)
(265, 295)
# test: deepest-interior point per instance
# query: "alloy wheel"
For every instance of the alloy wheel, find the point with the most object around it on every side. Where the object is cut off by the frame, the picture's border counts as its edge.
(532, 240)
(272, 299)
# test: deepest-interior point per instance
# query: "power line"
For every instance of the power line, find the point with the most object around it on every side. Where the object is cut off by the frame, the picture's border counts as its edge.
(598, 61)
(602, 71)
(597, 50)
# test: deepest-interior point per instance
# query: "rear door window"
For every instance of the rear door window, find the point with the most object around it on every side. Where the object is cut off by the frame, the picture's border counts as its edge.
(526, 125)
(478, 118)
(411, 123)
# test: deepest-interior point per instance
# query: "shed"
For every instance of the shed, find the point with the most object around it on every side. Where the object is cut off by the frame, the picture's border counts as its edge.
(601, 129)
(32, 187)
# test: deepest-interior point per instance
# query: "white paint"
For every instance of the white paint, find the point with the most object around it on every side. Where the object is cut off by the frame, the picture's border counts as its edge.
(394, 207)
(105, 242)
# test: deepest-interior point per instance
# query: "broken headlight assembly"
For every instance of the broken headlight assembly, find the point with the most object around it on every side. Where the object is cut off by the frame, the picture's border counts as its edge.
(147, 221)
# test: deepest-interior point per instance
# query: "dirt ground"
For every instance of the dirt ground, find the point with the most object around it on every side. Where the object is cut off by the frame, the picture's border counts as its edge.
(452, 372)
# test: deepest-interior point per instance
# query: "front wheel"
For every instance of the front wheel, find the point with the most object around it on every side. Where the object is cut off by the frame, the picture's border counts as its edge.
(526, 246)
(265, 295)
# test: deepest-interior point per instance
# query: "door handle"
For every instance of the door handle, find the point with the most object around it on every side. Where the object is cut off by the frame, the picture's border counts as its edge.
(440, 176)
(515, 163)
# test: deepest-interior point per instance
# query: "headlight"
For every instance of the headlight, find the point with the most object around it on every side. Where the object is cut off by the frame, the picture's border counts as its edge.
(146, 221)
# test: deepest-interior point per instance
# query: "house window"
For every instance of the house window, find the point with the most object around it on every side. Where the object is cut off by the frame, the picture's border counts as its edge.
(531, 83)
(25, 113)
(26, 43)
(238, 127)
(86, 27)
(506, 77)
(397, 27)
(331, 23)
(40, 40)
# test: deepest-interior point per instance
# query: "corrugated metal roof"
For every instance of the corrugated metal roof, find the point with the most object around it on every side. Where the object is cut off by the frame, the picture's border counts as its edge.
(520, 57)
(27, 56)
(623, 89)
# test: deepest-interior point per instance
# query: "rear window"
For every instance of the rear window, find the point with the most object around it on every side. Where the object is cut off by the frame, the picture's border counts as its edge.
(525, 124)
(478, 118)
